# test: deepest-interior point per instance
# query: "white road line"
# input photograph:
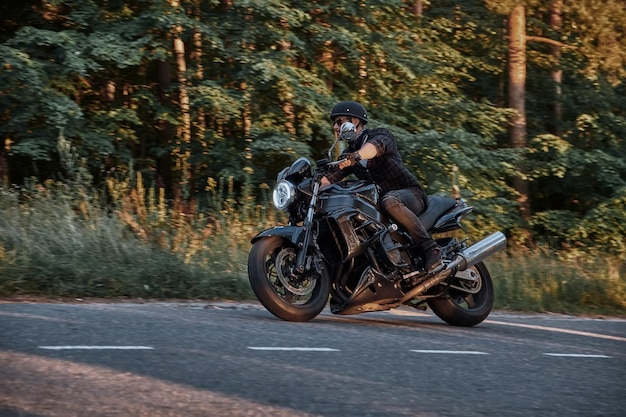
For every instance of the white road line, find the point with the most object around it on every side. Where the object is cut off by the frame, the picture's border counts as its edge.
(559, 330)
(88, 347)
(299, 349)
(451, 352)
(576, 355)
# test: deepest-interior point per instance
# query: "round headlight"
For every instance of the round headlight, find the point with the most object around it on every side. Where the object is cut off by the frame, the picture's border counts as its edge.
(283, 195)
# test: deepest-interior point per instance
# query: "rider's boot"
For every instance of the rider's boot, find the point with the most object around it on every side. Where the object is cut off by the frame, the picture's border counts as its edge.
(430, 253)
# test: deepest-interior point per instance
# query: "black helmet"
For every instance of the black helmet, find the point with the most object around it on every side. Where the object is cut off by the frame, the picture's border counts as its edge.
(349, 108)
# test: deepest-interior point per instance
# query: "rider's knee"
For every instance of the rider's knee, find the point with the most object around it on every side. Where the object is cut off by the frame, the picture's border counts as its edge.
(390, 201)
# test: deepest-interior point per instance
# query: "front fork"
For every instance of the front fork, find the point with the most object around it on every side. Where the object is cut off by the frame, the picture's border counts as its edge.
(307, 225)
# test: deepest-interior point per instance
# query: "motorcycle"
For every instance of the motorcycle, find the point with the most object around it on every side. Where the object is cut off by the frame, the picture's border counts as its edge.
(339, 244)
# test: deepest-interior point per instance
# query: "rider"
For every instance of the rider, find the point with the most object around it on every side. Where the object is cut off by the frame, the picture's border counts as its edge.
(373, 155)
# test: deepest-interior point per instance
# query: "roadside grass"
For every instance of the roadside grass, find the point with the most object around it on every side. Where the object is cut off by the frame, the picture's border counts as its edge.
(60, 242)
(52, 245)
(566, 282)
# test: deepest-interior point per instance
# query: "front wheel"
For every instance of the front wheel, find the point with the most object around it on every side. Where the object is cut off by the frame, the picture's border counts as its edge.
(291, 298)
(469, 299)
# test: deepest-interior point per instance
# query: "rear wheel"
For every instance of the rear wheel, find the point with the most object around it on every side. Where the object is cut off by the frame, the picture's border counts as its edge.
(469, 300)
(291, 298)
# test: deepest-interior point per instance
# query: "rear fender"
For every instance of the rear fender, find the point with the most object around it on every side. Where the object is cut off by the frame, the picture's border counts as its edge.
(452, 220)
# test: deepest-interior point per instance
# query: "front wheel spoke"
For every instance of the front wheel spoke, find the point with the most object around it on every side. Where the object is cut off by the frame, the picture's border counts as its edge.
(290, 288)
(290, 297)
(280, 289)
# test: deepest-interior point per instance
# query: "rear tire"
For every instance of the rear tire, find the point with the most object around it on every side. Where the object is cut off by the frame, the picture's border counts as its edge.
(302, 299)
(459, 308)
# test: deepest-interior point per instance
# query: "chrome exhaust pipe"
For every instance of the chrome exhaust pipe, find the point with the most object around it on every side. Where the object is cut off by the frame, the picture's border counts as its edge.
(478, 252)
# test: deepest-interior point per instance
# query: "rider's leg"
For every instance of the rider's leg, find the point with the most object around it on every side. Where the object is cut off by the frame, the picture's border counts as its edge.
(403, 206)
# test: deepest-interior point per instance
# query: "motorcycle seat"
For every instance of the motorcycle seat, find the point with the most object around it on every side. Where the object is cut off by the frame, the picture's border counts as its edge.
(436, 206)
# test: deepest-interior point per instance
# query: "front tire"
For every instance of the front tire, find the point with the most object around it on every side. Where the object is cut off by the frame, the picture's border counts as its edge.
(470, 307)
(288, 298)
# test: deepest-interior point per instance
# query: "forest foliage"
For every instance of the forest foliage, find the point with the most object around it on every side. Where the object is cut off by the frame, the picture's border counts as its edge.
(190, 93)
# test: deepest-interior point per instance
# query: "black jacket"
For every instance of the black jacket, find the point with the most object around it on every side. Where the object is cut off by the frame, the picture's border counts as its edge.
(386, 169)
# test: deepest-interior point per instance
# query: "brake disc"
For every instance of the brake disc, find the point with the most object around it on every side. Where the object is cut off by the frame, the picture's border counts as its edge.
(298, 285)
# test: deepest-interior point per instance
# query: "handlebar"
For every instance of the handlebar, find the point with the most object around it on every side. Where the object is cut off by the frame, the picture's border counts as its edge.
(336, 163)
(325, 163)
(325, 166)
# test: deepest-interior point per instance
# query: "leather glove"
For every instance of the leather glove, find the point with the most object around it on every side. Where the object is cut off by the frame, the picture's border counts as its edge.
(353, 157)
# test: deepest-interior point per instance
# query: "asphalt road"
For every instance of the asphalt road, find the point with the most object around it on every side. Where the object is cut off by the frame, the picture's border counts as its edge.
(233, 359)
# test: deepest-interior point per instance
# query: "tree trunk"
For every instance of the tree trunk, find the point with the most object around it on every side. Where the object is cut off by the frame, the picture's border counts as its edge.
(287, 95)
(363, 75)
(197, 57)
(327, 59)
(416, 8)
(247, 126)
(108, 90)
(4, 170)
(517, 87)
(183, 144)
(556, 22)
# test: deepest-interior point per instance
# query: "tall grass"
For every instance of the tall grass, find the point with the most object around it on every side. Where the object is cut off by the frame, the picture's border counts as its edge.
(565, 282)
(57, 240)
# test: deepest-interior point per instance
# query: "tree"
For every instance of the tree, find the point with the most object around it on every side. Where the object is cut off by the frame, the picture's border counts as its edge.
(556, 24)
(517, 91)
(182, 151)
(191, 92)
